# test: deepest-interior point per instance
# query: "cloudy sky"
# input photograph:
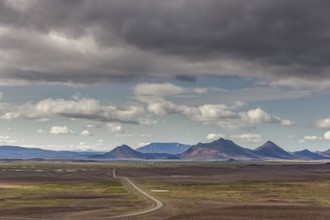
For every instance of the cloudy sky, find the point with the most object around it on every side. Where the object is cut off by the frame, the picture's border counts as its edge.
(84, 75)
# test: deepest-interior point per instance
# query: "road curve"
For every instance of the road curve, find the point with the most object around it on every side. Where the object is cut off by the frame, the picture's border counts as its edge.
(157, 204)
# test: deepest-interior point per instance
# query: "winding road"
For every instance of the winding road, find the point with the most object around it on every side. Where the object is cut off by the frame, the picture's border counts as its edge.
(157, 204)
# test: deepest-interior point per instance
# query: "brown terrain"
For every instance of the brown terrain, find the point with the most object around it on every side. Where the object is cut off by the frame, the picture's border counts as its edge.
(188, 190)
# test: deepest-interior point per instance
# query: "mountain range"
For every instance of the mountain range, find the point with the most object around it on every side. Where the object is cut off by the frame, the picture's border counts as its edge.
(308, 155)
(123, 152)
(16, 152)
(220, 149)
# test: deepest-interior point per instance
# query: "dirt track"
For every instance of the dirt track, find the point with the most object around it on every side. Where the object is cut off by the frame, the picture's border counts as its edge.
(157, 203)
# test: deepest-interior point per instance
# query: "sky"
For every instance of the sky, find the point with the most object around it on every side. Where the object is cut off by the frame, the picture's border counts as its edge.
(92, 75)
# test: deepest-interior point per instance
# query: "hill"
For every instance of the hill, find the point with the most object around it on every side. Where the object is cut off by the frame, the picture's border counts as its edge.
(166, 148)
(221, 149)
(271, 150)
(308, 155)
(325, 153)
(123, 152)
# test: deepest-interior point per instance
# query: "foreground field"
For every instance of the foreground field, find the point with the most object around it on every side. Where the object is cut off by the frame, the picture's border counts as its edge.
(64, 190)
(212, 190)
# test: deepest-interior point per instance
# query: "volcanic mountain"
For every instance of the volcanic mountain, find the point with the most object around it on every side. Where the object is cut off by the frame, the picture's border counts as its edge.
(271, 150)
(219, 149)
(161, 148)
(308, 155)
(123, 152)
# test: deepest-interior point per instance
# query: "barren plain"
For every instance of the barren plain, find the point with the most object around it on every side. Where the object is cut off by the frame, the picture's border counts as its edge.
(188, 190)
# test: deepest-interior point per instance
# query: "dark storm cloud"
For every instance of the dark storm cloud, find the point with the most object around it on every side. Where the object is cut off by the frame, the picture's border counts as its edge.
(169, 38)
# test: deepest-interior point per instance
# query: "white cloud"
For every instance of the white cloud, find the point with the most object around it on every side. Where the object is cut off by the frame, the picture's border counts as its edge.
(258, 115)
(322, 123)
(290, 136)
(287, 122)
(86, 133)
(165, 89)
(250, 138)
(145, 135)
(158, 89)
(214, 136)
(91, 125)
(301, 83)
(5, 139)
(312, 138)
(115, 128)
(2, 137)
(210, 111)
(309, 138)
(141, 144)
(147, 122)
(42, 120)
(83, 146)
(200, 90)
(206, 112)
(124, 135)
(221, 114)
(10, 116)
(327, 135)
(99, 142)
(41, 131)
(59, 130)
(86, 109)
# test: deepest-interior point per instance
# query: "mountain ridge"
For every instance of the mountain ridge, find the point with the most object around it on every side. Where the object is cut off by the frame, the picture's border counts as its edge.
(220, 149)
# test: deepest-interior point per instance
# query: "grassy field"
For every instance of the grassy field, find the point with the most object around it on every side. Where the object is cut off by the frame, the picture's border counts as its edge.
(239, 190)
(317, 193)
(43, 189)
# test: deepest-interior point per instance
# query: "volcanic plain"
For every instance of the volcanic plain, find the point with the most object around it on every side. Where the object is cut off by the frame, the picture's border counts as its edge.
(188, 190)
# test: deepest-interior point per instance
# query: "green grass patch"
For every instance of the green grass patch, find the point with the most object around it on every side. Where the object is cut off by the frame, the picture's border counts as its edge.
(293, 192)
(33, 194)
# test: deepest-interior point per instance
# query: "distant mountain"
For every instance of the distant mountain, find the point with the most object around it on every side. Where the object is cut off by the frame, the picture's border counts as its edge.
(219, 149)
(167, 148)
(326, 153)
(16, 152)
(123, 152)
(271, 150)
(308, 155)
